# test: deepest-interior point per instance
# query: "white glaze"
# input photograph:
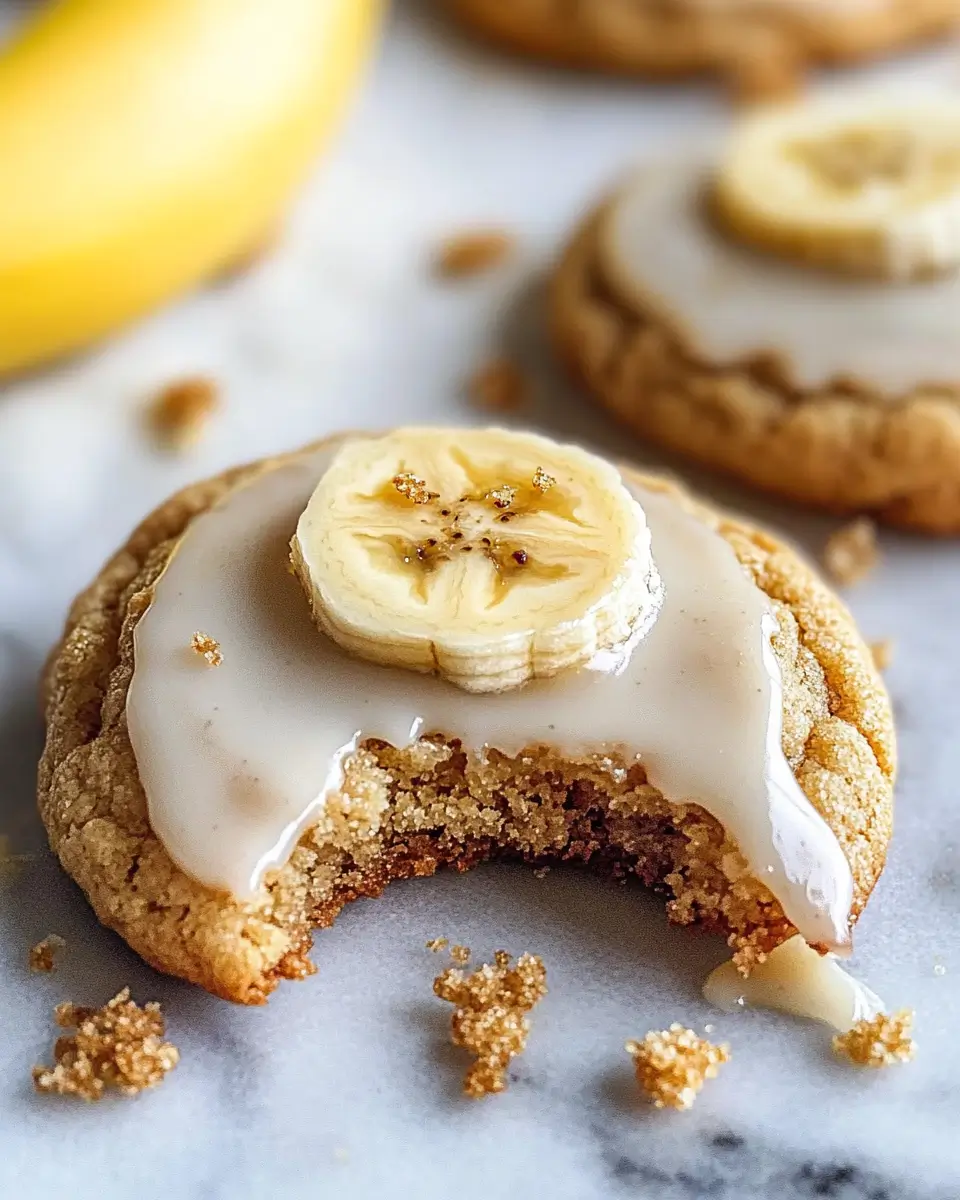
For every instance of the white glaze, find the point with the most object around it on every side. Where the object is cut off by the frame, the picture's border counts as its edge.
(235, 760)
(795, 979)
(660, 251)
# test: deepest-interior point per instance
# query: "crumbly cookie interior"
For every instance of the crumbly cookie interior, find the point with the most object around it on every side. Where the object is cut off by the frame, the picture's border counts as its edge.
(404, 813)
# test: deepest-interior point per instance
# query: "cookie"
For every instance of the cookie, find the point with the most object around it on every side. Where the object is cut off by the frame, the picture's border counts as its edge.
(402, 811)
(760, 45)
(835, 391)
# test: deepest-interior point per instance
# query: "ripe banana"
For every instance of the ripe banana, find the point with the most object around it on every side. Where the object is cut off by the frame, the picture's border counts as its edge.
(146, 144)
(488, 557)
(868, 187)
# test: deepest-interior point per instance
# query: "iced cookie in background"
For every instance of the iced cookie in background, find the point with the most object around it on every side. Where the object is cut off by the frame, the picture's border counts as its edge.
(381, 655)
(787, 307)
(758, 45)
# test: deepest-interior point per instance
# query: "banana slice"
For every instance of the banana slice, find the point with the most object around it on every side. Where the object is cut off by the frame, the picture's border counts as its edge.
(869, 187)
(485, 556)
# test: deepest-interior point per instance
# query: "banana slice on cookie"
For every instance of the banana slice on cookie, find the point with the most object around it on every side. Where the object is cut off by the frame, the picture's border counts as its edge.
(488, 557)
(868, 187)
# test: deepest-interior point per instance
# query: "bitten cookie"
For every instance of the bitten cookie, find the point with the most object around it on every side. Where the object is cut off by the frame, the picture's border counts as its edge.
(761, 44)
(406, 810)
(786, 310)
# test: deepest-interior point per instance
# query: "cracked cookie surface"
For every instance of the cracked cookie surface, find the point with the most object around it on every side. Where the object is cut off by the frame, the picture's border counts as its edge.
(403, 813)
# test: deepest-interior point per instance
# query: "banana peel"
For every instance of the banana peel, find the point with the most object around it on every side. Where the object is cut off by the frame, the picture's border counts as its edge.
(148, 144)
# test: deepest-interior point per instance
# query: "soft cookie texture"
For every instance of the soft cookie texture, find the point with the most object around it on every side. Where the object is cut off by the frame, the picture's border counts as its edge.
(403, 813)
(761, 45)
(840, 448)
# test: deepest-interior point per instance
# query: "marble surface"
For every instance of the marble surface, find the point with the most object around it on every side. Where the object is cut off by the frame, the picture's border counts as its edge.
(344, 1084)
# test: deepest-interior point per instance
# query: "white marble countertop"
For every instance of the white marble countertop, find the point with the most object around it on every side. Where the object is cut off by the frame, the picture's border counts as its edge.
(345, 1084)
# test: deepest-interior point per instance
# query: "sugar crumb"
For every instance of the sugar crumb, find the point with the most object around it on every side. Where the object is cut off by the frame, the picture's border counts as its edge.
(460, 955)
(472, 252)
(412, 488)
(852, 553)
(939, 967)
(437, 944)
(878, 1041)
(502, 496)
(542, 481)
(499, 386)
(208, 648)
(673, 1064)
(42, 956)
(117, 1046)
(490, 1016)
(179, 413)
(882, 652)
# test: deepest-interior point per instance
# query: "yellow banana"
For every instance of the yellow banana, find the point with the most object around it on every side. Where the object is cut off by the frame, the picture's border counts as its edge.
(147, 144)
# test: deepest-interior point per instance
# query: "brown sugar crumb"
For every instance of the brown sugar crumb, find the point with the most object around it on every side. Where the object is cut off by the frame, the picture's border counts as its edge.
(882, 652)
(879, 1041)
(413, 488)
(500, 386)
(43, 955)
(473, 252)
(673, 1064)
(851, 553)
(119, 1045)
(502, 497)
(460, 955)
(208, 648)
(490, 1018)
(181, 410)
(542, 481)
(437, 944)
